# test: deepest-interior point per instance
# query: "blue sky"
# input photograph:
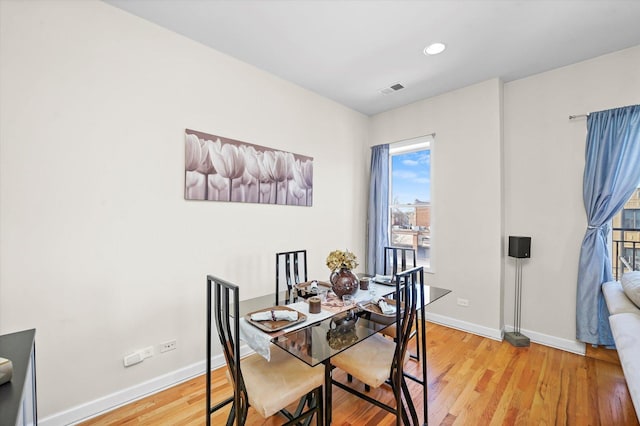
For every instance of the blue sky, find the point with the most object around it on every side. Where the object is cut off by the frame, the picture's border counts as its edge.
(410, 177)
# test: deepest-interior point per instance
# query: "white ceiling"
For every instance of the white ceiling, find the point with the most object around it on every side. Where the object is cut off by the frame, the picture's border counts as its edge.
(349, 50)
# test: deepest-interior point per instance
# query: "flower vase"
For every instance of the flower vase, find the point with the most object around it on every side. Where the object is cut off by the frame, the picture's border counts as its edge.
(343, 282)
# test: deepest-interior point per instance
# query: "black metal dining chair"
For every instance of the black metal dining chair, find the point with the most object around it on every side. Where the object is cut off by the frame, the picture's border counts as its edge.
(291, 269)
(378, 359)
(399, 259)
(267, 386)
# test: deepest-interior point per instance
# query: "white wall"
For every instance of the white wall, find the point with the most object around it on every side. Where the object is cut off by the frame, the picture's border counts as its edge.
(466, 182)
(542, 162)
(544, 159)
(98, 250)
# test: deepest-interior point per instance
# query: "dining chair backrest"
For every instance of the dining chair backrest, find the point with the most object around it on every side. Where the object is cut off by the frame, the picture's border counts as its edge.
(406, 295)
(291, 269)
(252, 384)
(398, 259)
(227, 317)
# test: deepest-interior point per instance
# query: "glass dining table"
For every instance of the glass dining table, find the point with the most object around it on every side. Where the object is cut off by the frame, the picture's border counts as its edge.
(317, 341)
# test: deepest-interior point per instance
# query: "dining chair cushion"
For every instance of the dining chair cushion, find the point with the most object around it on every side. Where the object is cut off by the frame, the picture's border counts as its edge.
(275, 384)
(368, 361)
(391, 332)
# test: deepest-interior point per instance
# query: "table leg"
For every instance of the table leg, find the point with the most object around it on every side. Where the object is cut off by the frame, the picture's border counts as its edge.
(422, 341)
(327, 392)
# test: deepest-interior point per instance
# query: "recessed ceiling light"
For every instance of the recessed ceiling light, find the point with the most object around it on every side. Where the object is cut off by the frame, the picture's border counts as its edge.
(434, 48)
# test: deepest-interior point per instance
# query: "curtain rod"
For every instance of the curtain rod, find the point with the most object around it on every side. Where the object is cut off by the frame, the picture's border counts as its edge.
(422, 136)
(572, 117)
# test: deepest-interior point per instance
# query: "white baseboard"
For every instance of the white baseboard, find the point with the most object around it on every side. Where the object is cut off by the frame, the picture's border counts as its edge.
(110, 402)
(566, 345)
(107, 403)
(491, 333)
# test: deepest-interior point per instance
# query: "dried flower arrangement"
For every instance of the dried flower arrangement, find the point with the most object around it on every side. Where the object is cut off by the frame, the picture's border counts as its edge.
(341, 259)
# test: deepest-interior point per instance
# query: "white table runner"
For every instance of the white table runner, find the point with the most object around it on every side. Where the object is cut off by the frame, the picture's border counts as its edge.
(260, 341)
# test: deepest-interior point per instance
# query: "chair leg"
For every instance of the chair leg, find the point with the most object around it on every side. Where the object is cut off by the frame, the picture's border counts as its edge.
(405, 406)
(399, 406)
(409, 402)
(299, 409)
(320, 407)
(416, 334)
(314, 402)
(232, 415)
(417, 355)
(311, 405)
(367, 388)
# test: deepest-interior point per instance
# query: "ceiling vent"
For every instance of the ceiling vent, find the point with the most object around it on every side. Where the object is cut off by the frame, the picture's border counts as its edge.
(393, 88)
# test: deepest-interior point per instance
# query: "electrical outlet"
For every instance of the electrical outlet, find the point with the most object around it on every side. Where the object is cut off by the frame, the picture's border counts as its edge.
(147, 352)
(168, 346)
(138, 356)
(133, 359)
(463, 302)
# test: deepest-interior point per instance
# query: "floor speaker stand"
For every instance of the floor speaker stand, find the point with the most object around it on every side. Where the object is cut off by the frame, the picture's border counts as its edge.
(515, 337)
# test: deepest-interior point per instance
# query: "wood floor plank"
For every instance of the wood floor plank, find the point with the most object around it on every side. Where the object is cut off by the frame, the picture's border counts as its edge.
(471, 381)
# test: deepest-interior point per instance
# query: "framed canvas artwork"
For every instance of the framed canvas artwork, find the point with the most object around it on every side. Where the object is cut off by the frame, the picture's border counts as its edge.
(223, 169)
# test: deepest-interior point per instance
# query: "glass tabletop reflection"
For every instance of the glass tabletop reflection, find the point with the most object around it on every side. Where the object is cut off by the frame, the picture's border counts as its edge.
(320, 341)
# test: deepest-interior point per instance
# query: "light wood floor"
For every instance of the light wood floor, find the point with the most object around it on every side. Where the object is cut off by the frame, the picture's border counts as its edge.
(472, 381)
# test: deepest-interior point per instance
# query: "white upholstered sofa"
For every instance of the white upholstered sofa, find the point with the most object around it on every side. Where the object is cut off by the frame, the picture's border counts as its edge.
(623, 301)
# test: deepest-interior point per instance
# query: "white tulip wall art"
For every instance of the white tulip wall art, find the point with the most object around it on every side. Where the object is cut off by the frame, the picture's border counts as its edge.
(223, 169)
(254, 164)
(192, 153)
(265, 192)
(303, 177)
(218, 188)
(296, 192)
(194, 186)
(275, 164)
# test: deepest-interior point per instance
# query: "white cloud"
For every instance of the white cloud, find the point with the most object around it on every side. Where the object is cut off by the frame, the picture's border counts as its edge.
(404, 174)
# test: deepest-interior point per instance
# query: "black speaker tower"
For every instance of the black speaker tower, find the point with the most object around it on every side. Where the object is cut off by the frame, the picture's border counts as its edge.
(520, 248)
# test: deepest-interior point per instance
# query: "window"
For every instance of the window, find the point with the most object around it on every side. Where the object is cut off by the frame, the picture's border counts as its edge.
(631, 218)
(410, 206)
(626, 237)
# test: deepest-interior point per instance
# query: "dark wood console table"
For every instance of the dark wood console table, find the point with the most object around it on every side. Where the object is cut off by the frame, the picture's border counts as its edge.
(18, 397)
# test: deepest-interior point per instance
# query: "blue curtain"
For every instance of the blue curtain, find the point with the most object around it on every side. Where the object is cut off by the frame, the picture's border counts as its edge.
(378, 212)
(611, 174)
